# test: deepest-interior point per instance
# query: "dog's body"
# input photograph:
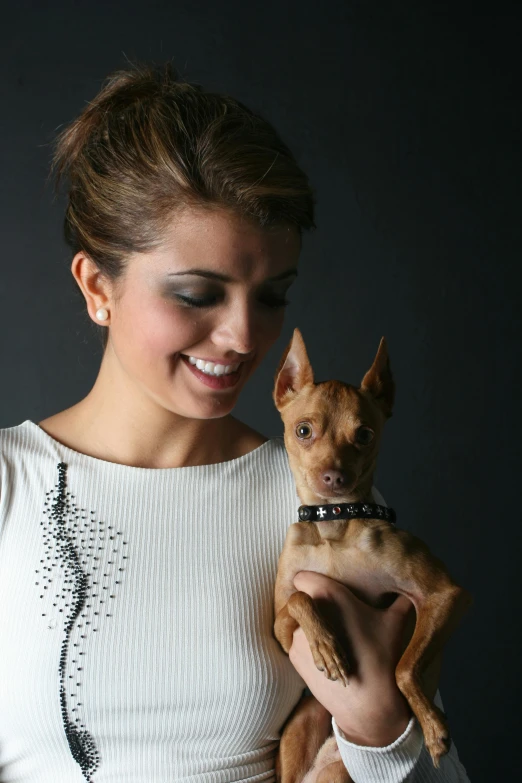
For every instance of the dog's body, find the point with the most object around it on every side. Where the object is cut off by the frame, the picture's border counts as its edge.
(332, 432)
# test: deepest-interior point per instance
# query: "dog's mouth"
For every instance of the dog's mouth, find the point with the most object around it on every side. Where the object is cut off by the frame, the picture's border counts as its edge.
(347, 493)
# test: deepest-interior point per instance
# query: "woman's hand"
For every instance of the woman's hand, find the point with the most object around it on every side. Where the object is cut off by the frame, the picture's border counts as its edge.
(371, 710)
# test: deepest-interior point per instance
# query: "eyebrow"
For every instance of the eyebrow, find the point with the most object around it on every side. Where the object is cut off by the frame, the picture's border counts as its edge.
(226, 279)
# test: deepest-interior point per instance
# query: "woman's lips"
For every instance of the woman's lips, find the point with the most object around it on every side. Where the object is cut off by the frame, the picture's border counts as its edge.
(214, 381)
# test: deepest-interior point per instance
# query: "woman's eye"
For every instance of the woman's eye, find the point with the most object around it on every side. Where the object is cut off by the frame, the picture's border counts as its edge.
(303, 431)
(364, 436)
(210, 301)
(196, 302)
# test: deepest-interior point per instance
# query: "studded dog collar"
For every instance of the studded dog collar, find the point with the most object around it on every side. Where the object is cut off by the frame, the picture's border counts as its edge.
(331, 511)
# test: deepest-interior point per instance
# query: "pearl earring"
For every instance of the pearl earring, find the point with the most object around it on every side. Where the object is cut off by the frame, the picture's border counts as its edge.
(102, 314)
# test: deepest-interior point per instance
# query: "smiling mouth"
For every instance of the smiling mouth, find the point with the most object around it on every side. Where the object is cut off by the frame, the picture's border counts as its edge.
(223, 381)
(214, 369)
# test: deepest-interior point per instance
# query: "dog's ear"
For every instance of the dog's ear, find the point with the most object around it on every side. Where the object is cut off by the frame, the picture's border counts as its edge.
(379, 382)
(294, 371)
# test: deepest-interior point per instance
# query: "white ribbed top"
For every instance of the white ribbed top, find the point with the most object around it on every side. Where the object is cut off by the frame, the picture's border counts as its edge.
(136, 610)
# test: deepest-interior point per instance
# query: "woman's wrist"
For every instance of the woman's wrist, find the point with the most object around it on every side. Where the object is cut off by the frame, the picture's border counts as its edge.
(376, 726)
(377, 735)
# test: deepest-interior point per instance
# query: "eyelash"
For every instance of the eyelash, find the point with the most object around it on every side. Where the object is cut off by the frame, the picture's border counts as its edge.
(276, 303)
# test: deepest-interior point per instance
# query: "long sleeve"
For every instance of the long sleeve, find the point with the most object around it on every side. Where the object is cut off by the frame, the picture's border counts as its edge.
(404, 761)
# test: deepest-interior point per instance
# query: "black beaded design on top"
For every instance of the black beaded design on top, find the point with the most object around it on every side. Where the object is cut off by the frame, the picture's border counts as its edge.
(61, 530)
(330, 511)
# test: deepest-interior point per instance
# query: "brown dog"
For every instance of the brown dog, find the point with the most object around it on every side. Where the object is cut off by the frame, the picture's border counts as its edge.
(332, 434)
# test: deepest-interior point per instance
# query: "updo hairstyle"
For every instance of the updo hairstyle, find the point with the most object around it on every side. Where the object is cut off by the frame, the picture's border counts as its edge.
(148, 146)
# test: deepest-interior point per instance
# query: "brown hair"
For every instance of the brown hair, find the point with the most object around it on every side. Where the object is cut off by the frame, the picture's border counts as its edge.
(148, 146)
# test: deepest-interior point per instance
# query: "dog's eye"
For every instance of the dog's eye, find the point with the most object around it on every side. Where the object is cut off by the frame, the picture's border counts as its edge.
(303, 431)
(364, 436)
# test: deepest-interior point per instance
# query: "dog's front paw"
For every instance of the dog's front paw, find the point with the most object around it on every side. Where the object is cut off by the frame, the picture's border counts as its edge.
(329, 657)
(436, 735)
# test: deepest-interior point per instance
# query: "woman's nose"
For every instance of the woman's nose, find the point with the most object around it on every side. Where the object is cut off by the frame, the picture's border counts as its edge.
(237, 330)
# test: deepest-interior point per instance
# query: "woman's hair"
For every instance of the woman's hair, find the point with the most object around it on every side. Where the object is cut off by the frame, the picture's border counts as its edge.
(148, 146)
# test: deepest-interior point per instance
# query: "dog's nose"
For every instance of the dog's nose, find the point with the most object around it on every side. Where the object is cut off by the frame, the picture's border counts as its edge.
(334, 479)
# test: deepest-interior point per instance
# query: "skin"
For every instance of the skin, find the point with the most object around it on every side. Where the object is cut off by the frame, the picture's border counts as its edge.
(146, 409)
(371, 710)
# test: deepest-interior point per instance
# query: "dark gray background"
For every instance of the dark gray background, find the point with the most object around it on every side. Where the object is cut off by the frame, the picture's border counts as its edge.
(406, 116)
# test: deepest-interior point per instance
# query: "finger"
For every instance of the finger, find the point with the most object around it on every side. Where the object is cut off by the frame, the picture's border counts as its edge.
(314, 584)
(326, 590)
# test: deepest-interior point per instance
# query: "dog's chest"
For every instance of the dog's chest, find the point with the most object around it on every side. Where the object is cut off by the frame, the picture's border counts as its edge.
(348, 561)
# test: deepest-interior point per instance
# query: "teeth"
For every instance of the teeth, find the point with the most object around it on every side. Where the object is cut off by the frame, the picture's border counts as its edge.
(213, 369)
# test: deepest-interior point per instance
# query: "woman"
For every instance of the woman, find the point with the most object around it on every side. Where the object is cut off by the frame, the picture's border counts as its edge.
(141, 527)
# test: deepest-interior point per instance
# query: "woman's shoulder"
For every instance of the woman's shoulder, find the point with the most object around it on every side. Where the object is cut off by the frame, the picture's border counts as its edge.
(15, 437)
(18, 444)
(24, 437)
(27, 453)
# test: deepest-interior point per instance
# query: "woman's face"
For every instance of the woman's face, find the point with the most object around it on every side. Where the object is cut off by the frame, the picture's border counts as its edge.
(238, 276)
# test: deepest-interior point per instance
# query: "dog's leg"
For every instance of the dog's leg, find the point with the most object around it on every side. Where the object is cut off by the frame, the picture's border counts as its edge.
(304, 733)
(328, 766)
(438, 613)
(404, 564)
(335, 772)
(327, 653)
